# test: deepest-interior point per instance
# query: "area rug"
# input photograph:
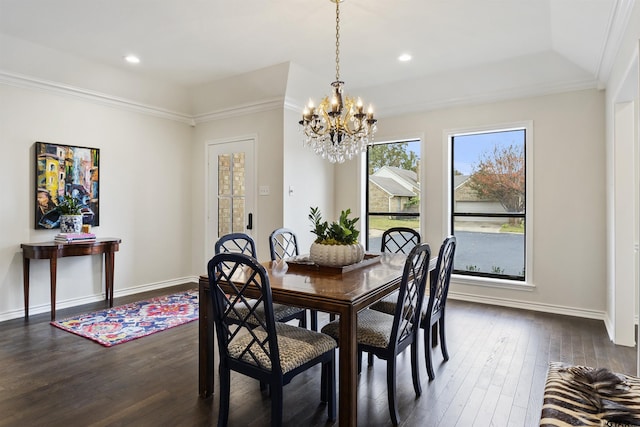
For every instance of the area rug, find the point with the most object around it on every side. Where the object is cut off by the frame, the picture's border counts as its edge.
(127, 322)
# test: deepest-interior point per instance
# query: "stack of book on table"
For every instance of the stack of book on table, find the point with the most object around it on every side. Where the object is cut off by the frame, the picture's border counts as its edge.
(74, 237)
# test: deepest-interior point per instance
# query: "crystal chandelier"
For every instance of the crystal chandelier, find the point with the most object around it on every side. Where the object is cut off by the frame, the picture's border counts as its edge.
(338, 128)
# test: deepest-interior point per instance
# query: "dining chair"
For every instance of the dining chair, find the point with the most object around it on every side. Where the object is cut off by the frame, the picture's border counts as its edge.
(271, 352)
(283, 244)
(243, 243)
(387, 336)
(433, 317)
(432, 320)
(397, 240)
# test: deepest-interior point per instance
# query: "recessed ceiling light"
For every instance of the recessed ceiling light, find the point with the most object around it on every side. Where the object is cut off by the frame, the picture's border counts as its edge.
(404, 57)
(132, 59)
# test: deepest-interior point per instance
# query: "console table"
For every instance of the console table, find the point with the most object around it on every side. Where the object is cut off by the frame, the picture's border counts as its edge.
(53, 250)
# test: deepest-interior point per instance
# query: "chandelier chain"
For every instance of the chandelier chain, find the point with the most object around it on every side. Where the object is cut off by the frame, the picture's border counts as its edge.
(337, 40)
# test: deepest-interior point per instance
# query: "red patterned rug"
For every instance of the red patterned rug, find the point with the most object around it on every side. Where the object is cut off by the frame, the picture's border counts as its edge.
(127, 322)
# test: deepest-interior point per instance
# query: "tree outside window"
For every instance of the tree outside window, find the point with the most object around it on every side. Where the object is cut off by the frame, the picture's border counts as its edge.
(489, 203)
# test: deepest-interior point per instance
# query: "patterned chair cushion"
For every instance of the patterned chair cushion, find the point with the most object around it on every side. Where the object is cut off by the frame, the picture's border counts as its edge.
(297, 346)
(374, 328)
(583, 396)
(386, 304)
(280, 311)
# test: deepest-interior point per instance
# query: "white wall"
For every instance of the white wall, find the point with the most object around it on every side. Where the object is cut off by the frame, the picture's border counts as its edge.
(145, 185)
(569, 194)
(310, 177)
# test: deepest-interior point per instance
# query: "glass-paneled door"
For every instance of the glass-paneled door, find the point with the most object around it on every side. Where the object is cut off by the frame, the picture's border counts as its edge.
(231, 179)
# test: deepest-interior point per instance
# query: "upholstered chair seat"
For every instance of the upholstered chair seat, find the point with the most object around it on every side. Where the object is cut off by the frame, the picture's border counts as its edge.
(297, 346)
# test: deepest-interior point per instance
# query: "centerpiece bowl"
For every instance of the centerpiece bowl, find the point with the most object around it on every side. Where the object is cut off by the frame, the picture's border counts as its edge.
(336, 255)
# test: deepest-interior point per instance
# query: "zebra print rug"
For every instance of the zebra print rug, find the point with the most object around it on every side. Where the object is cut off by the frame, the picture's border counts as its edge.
(583, 396)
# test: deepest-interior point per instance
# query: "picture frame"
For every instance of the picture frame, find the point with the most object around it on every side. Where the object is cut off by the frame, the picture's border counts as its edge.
(65, 170)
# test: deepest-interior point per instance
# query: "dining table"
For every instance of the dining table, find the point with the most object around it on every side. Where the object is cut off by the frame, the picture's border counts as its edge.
(343, 291)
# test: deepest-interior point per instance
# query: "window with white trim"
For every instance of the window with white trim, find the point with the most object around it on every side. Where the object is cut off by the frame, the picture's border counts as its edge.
(392, 189)
(488, 202)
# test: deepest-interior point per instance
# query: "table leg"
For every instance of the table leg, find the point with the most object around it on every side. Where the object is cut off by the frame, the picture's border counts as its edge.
(109, 261)
(25, 283)
(348, 403)
(53, 271)
(205, 340)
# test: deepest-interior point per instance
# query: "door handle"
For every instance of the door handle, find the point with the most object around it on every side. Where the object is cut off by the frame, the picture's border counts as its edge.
(250, 225)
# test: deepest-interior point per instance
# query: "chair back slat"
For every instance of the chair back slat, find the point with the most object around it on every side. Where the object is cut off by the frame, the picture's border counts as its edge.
(441, 276)
(411, 294)
(283, 244)
(399, 240)
(244, 338)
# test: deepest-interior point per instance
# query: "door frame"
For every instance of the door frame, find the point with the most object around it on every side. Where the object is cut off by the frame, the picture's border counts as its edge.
(253, 197)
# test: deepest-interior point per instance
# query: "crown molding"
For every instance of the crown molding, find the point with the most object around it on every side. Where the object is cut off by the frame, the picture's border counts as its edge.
(27, 82)
(240, 110)
(618, 21)
(286, 103)
(486, 98)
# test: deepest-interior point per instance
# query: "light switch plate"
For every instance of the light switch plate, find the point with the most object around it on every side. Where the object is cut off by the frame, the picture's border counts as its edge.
(264, 190)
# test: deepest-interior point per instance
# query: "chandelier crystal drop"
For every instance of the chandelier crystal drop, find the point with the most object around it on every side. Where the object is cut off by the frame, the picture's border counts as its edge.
(338, 128)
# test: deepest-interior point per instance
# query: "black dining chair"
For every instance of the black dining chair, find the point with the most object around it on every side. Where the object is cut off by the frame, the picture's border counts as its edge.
(433, 317)
(386, 336)
(269, 351)
(396, 240)
(243, 243)
(283, 244)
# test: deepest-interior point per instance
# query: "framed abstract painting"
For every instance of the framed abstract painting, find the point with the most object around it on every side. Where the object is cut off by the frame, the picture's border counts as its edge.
(66, 170)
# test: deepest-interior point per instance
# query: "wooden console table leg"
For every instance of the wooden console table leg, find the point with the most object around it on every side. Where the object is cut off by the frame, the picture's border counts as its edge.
(25, 283)
(53, 270)
(109, 261)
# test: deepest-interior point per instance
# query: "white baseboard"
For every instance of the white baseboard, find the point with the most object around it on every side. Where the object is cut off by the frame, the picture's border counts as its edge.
(527, 305)
(72, 302)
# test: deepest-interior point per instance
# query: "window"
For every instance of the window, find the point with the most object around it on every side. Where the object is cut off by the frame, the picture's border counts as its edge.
(392, 189)
(488, 203)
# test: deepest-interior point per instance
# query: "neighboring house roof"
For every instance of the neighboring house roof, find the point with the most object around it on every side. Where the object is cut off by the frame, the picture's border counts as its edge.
(391, 186)
(408, 179)
(458, 180)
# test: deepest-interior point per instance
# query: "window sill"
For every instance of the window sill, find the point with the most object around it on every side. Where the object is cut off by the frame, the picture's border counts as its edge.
(491, 283)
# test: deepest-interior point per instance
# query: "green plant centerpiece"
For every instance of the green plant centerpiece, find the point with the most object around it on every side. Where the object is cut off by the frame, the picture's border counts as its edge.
(336, 244)
(70, 215)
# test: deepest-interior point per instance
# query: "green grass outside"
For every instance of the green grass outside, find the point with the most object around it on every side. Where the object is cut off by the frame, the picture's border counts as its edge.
(511, 228)
(384, 223)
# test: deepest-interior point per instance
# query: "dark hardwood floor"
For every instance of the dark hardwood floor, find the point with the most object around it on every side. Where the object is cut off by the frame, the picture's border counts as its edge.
(495, 376)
